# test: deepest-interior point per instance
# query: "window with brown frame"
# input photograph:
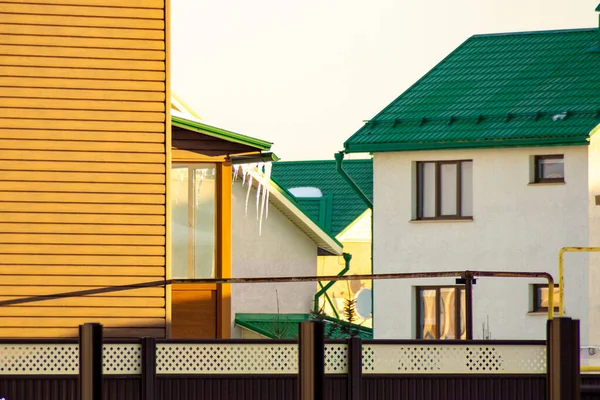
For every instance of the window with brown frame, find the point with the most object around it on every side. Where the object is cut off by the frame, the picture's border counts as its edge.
(445, 189)
(549, 168)
(541, 300)
(441, 312)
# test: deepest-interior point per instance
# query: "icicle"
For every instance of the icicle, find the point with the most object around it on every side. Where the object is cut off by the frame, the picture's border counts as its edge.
(235, 173)
(244, 173)
(268, 180)
(248, 193)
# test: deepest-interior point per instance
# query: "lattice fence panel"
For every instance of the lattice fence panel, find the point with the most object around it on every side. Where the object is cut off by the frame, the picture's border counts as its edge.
(226, 358)
(455, 359)
(122, 359)
(39, 359)
(336, 359)
(63, 359)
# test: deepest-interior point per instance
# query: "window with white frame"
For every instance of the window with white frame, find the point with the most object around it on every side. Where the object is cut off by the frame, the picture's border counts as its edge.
(445, 189)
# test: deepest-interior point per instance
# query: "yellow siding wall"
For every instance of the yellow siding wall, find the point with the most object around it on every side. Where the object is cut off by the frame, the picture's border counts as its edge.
(82, 164)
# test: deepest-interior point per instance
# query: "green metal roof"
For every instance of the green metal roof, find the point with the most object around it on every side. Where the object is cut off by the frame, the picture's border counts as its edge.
(340, 205)
(501, 90)
(220, 133)
(285, 326)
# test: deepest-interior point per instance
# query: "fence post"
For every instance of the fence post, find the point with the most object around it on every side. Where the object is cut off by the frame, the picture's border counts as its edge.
(148, 368)
(90, 361)
(354, 368)
(311, 360)
(563, 369)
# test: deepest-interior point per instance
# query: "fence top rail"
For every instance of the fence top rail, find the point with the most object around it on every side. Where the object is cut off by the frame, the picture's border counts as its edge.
(31, 341)
(447, 342)
(226, 341)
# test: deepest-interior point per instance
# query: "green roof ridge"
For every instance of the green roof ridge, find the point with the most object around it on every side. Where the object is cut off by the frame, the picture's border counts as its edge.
(540, 32)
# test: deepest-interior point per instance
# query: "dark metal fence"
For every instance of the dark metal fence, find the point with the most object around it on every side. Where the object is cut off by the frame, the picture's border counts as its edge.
(267, 369)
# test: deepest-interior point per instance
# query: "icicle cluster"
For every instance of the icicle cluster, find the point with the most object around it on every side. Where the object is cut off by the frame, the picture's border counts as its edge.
(262, 172)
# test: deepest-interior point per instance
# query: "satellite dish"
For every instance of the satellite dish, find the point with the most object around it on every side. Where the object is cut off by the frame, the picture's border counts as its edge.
(364, 303)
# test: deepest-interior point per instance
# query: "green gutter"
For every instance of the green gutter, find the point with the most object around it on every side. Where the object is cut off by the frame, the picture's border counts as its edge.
(338, 161)
(220, 133)
(347, 258)
(483, 144)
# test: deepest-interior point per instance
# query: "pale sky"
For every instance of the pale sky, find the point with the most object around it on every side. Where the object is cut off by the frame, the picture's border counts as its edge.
(304, 74)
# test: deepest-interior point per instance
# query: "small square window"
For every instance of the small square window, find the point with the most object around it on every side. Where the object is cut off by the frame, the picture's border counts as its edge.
(540, 298)
(549, 168)
(441, 312)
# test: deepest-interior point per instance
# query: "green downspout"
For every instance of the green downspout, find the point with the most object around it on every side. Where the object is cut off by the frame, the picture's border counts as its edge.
(337, 315)
(338, 161)
(339, 156)
(347, 258)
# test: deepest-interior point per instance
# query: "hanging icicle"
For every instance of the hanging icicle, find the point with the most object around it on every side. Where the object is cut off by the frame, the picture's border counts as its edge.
(248, 192)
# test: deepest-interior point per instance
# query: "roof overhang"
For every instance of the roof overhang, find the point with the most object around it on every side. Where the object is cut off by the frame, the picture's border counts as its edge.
(287, 206)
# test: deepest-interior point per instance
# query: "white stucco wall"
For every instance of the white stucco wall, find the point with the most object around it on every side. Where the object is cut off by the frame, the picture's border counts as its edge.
(281, 250)
(515, 227)
(594, 240)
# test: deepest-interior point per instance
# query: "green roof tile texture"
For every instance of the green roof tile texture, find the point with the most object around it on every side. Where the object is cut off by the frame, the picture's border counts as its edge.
(285, 326)
(347, 205)
(496, 91)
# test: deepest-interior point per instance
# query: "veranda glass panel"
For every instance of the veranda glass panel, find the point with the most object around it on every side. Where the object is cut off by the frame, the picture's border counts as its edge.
(428, 309)
(180, 228)
(449, 189)
(204, 221)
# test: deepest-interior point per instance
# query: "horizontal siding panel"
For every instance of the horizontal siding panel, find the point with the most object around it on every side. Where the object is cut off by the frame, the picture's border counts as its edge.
(82, 166)
(64, 145)
(61, 259)
(62, 104)
(81, 156)
(140, 139)
(81, 188)
(66, 238)
(105, 3)
(65, 176)
(82, 115)
(88, 301)
(98, 22)
(107, 332)
(130, 322)
(200, 156)
(154, 273)
(67, 41)
(58, 62)
(81, 73)
(49, 312)
(81, 229)
(139, 211)
(101, 199)
(32, 249)
(138, 221)
(82, 125)
(81, 10)
(56, 290)
(56, 51)
(76, 280)
(147, 86)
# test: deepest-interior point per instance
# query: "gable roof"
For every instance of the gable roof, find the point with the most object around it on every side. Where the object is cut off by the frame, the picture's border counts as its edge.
(340, 205)
(287, 205)
(499, 90)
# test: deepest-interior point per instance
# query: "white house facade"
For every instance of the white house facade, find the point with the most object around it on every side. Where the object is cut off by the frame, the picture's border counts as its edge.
(489, 162)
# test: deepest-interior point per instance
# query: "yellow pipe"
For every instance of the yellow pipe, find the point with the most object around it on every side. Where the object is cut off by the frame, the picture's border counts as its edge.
(590, 367)
(561, 277)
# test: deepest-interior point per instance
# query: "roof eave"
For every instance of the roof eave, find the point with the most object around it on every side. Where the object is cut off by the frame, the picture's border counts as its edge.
(220, 133)
(280, 198)
(388, 147)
